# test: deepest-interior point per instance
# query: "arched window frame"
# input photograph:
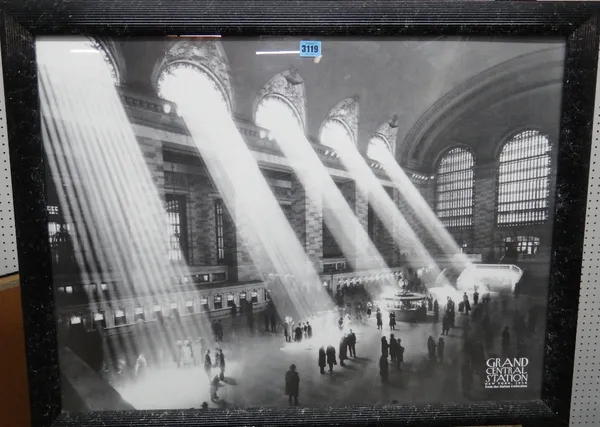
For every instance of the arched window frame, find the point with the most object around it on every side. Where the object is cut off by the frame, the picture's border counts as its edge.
(108, 57)
(381, 138)
(343, 124)
(458, 217)
(284, 101)
(510, 213)
(172, 66)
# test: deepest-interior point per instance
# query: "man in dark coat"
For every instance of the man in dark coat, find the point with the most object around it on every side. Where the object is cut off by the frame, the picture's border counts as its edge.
(379, 320)
(343, 351)
(385, 348)
(399, 354)
(308, 330)
(352, 343)
(221, 364)
(445, 324)
(322, 360)
(393, 348)
(431, 348)
(331, 357)
(292, 385)
(440, 349)
(207, 363)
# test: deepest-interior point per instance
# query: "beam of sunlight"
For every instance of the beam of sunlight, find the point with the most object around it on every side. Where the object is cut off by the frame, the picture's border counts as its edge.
(416, 202)
(260, 222)
(333, 135)
(107, 193)
(274, 115)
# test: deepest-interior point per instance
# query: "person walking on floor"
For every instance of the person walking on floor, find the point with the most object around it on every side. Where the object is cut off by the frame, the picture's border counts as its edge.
(352, 343)
(322, 360)
(440, 349)
(292, 385)
(392, 320)
(221, 364)
(343, 351)
(207, 364)
(399, 354)
(331, 357)
(431, 348)
(385, 348)
(393, 348)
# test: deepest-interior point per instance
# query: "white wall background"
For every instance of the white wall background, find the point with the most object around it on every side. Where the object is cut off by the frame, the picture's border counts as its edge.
(8, 244)
(585, 402)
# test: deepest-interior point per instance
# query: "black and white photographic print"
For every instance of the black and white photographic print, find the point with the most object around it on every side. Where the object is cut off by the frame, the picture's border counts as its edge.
(278, 222)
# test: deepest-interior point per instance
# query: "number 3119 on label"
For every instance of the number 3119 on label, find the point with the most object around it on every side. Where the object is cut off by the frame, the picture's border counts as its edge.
(310, 49)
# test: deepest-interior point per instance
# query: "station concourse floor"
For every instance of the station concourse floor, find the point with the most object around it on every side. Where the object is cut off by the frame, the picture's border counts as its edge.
(256, 367)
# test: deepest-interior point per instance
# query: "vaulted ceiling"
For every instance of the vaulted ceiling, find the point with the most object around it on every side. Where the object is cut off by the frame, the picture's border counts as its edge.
(413, 79)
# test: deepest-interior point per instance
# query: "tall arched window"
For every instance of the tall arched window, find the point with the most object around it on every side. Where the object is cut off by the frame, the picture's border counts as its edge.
(454, 188)
(95, 46)
(176, 83)
(179, 79)
(379, 149)
(523, 179)
(274, 112)
(336, 135)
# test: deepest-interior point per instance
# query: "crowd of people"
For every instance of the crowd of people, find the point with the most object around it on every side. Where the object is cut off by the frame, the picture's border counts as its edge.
(483, 321)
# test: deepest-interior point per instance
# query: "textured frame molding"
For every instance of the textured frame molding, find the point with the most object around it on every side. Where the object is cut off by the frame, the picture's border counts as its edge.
(577, 22)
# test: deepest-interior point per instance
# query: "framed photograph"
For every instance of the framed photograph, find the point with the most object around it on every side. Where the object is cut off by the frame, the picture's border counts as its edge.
(244, 213)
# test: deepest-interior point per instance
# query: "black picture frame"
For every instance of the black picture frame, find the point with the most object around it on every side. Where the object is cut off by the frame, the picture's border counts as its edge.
(577, 22)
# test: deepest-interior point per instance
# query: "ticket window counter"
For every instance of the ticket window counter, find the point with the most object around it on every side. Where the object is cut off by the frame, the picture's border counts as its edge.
(98, 321)
(230, 300)
(120, 318)
(174, 310)
(139, 314)
(204, 304)
(76, 322)
(218, 302)
(157, 313)
(104, 288)
(243, 301)
(266, 295)
(189, 306)
(254, 296)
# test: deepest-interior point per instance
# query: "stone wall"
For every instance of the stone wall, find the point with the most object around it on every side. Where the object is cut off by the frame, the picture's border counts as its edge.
(307, 208)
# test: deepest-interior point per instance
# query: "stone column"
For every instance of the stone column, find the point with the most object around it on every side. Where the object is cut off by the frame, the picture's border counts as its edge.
(359, 205)
(153, 156)
(484, 209)
(307, 220)
(396, 257)
(246, 270)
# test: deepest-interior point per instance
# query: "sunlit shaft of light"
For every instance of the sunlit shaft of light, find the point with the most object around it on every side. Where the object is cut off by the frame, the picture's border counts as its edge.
(426, 215)
(110, 190)
(345, 227)
(260, 222)
(382, 204)
(92, 233)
